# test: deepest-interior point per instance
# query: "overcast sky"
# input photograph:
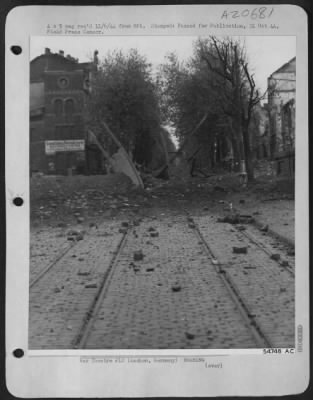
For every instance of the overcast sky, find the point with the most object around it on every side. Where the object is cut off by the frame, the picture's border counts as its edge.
(265, 53)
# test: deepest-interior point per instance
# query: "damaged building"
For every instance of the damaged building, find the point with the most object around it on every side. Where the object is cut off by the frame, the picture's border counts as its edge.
(281, 108)
(59, 90)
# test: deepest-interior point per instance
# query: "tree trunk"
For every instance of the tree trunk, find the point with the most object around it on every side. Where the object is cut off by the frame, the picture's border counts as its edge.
(236, 152)
(247, 150)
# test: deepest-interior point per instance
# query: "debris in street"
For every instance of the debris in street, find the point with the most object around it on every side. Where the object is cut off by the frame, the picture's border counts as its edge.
(264, 228)
(246, 219)
(83, 273)
(154, 234)
(230, 219)
(240, 250)
(176, 287)
(275, 257)
(80, 236)
(138, 255)
(189, 335)
(284, 263)
(91, 286)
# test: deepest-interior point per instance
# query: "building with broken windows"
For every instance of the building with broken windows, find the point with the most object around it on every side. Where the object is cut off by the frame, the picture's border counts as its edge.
(59, 89)
(281, 108)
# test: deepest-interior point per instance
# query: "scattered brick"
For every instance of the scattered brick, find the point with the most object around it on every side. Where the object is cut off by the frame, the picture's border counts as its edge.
(275, 257)
(264, 228)
(240, 250)
(91, 286)
(154, 234)
(189, 335)
(138, 255)
(176, 288)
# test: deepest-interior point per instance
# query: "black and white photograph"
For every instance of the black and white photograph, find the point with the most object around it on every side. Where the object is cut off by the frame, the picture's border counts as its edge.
(162, 192)
(157, 201)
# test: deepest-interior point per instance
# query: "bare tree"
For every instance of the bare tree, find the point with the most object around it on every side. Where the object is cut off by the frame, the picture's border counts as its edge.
(235, 89)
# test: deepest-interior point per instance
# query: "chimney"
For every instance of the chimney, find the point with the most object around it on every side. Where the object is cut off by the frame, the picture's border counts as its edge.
(47, 50)
(61, 52)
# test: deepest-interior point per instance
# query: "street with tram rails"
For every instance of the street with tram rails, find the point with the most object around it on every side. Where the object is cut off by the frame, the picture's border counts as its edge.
(166, 273)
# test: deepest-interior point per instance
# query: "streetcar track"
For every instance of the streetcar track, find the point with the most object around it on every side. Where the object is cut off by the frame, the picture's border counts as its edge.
(266, 250)
(45, 270)
(261, 338)
(82, 337)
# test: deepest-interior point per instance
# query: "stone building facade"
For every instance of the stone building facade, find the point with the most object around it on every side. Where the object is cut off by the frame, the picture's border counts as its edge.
(282, 108)
(59, 89)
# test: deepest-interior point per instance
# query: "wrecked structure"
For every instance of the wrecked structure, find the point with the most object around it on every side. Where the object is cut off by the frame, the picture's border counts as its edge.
(281, 109)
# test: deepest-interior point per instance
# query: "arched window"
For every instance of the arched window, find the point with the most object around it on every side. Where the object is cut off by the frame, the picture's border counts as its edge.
(69, 107)
(58, 107)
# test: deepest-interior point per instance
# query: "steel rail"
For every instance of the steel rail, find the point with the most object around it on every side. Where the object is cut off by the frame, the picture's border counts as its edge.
(261, 339)
(49, 266)
(82, 337)
(266, 250)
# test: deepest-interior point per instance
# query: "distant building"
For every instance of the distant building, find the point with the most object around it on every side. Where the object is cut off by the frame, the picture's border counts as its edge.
(59, 89)
(281, 108)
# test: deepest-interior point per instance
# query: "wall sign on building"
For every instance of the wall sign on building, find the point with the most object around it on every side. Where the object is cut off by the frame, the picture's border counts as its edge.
(54, 146)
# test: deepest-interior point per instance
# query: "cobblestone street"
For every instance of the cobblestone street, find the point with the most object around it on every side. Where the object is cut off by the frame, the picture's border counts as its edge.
(160, 277)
